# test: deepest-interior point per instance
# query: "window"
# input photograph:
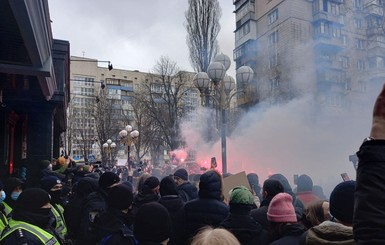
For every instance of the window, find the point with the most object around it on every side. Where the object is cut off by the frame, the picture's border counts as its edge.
(336, 31)
(348, 84)
(273, 38)
(342, 19)
(273, 59)
(361, 86)
(376, 62)
(274, 83)
(357, 3)
(357, 23)
(344, 61)
(361, 65)
(273, 16)
(334, 8)
(344, 40)
(360, 43)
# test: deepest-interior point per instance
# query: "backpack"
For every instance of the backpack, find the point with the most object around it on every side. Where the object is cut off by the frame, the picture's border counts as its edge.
(93, 206)
(124, 236)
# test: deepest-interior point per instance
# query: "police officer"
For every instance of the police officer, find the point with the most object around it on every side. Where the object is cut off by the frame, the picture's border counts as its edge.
(53, 186)
(12, 189)
(30, 220)
(3, 218)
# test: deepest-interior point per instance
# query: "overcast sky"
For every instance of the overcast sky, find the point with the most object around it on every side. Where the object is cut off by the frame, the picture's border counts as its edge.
(132, 34)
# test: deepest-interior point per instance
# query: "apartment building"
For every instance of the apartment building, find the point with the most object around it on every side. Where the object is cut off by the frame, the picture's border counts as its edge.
(91, 81)
(333, 49)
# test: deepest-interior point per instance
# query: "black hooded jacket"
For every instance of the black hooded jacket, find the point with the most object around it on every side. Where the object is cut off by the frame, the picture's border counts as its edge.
(188, 191)
(208, 208)
(260, 214)
(175, 206)
(244, 227)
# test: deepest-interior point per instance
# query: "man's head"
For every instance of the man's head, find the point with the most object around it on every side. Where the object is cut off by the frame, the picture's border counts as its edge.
(271, 188)
(151, 184)
(304, 183)
(33, 200)
(180, 176)
(53, 186)
(108, 179)
(342, 202)
(152, 223)
(120, 197)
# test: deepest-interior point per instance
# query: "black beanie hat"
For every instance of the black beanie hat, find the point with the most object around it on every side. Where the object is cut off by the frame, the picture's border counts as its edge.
(342, 201)
(120, 197)
(32, 199)
(304, 183)
(152, 223)
(107, 179)
(151, 182)
(48, 182)
(168, 186)
(272, 187)
(181, 173)
(11, 183)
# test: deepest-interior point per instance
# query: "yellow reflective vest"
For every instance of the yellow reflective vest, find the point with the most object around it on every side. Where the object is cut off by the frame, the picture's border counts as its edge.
(7, 209)
(44, 236)
(61, 227)
(3, 222)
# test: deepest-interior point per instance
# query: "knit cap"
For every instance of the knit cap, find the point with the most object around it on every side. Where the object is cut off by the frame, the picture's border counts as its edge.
(241, 195)
(151, 182)
(48, 182)
(120, 197)
(342, 201)
(32, 199)
(181, 173)
(152, 223)
(107, 179)
(168, 187)
(304, 183)
(12, 183)
(281, 209)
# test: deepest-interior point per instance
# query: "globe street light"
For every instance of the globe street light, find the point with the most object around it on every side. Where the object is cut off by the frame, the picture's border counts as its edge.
(223, 86)
(109, 146)
(127, 136)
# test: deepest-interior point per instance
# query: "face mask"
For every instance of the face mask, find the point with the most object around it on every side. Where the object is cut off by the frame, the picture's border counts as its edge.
(15, 195)
(2, 196)
(55, 196)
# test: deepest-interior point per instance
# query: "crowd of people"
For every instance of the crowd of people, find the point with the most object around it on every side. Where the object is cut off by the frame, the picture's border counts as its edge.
(97, 207)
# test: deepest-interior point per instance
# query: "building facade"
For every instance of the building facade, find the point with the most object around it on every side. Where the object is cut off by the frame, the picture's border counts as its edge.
(98, 92)
(34, 89)
(333, 49)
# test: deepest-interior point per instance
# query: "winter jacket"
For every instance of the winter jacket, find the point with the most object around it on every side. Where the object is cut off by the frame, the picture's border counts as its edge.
(298, 205)
(115, 227)
(369, 212)
(208, 208)
(143, 197)
(307, 197)
(187, 191)
(244, 227)
(94, 205)
(260, 214)
(328, 233)
(291, 235)
(72, 211)
(175, 206)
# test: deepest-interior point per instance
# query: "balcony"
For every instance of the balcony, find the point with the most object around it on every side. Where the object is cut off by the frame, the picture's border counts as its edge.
(376, 72)
(375, 30)
(331, 44)
(376, 48)
(246, 51)
(373, 8)
(322, 15)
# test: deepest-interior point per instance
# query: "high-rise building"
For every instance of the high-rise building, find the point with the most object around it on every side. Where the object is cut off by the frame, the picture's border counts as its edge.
(333, 49)
(91, 86)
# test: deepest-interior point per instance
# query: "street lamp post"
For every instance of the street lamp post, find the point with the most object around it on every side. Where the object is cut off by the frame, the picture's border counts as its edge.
(109, 146)
(223, 86)
(127, 136)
